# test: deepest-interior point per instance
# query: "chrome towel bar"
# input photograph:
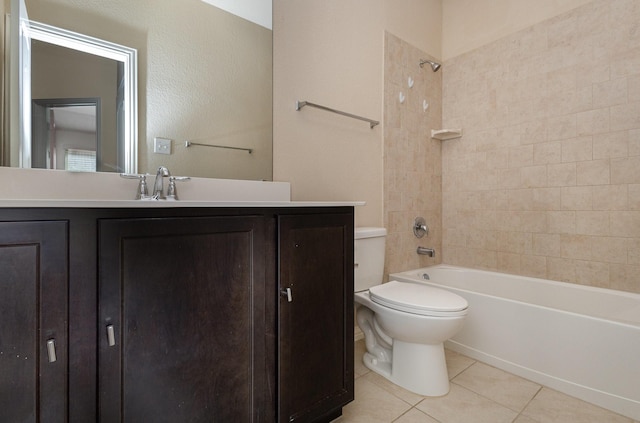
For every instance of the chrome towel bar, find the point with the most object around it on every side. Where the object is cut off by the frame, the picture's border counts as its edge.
(301, 104)
(190, 143)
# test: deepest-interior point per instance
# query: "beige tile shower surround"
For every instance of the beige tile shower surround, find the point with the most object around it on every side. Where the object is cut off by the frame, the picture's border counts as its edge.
(545, 181)
(412, 160)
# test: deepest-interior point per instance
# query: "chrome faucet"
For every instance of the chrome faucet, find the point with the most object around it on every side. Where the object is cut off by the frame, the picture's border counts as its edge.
(426, 251)
(158, 186)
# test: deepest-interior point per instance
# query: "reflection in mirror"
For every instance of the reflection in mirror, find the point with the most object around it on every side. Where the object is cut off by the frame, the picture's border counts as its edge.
(71, 77)
(66, 66)
(204, 75)
(65, 134)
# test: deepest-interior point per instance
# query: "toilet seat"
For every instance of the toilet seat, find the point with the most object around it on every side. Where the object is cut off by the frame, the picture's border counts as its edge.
(419, 299)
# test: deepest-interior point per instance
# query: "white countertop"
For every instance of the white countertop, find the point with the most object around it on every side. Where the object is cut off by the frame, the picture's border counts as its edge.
(38, 188)
(57, 203)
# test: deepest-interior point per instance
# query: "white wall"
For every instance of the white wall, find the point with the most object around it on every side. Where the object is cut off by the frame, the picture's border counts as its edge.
(331, 53)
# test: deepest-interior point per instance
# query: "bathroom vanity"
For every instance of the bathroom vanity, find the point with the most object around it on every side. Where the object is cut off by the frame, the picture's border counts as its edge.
(221, 312)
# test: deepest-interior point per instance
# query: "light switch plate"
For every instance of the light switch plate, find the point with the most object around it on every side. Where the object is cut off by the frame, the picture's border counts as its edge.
(161, 145)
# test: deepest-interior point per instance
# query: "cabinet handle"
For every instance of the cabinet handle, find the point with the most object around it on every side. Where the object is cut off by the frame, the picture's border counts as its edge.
(111, 335)
(287, 293)
(51, 350)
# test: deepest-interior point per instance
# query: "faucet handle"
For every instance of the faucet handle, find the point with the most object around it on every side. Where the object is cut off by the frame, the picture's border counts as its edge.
(142, 193)
(172, 193)
(420, 227)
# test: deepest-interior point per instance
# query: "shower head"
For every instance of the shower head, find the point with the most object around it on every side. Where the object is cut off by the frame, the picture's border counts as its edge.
(435, 66)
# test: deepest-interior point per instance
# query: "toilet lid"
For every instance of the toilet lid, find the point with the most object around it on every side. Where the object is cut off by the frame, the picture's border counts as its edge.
(418, 299)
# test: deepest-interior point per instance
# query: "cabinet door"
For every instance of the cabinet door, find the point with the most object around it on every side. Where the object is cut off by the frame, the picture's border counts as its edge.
(182, 320)
(315, 317)
(33, 299)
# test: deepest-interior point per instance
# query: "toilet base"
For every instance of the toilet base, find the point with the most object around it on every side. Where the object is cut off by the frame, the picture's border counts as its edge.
(420, 368)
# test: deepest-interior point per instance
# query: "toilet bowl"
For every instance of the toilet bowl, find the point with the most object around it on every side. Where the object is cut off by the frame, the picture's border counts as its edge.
(405, 324)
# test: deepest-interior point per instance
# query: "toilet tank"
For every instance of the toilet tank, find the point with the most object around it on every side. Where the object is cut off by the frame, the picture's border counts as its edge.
(369, 257)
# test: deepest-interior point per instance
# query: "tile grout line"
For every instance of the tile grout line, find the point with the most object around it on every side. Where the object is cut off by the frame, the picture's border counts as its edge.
(527, 404)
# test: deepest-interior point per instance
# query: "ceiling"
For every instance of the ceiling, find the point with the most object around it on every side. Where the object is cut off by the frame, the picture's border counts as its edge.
(256, 11)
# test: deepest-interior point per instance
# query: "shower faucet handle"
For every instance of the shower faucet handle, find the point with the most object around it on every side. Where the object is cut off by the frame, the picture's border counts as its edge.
(420, 227)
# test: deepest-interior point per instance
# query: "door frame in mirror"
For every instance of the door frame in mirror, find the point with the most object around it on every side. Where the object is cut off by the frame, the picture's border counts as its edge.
(41, 120)
(126, 55)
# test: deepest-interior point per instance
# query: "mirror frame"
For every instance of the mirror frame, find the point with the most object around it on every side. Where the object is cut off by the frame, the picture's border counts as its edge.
(84, 43)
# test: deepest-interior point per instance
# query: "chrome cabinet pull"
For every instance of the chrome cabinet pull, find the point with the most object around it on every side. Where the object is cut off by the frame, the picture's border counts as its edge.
(51, 350)
(111, 335)
(287, 293)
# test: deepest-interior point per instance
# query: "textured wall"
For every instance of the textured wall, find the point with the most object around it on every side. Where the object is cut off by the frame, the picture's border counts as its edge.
(546, 179)
(330, 52)
(412, 160)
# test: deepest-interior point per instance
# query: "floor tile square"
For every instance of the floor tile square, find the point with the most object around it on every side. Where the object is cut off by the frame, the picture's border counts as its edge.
(461, 405)
(504, 388)
(372, 405)
(456, 362)
(407, 396)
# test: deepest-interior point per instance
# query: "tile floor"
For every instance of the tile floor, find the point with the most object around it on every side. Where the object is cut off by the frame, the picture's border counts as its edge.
(479, 393)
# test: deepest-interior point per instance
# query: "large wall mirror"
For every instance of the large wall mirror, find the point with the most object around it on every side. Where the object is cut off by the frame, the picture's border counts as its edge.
(204, 79)
(77, 97)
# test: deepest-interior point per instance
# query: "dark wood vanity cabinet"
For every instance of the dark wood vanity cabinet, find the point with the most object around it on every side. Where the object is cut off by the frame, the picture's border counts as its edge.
(177, 314)
(182, 336)
(316, 316)
(33, 321)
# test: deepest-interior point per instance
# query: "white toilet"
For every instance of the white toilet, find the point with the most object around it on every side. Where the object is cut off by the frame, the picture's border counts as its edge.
(404, 324)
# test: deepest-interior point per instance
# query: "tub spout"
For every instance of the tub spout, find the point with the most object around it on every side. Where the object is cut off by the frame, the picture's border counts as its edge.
(426, 251)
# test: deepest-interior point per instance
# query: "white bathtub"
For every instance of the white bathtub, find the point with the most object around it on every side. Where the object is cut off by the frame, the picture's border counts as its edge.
(579, 340)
